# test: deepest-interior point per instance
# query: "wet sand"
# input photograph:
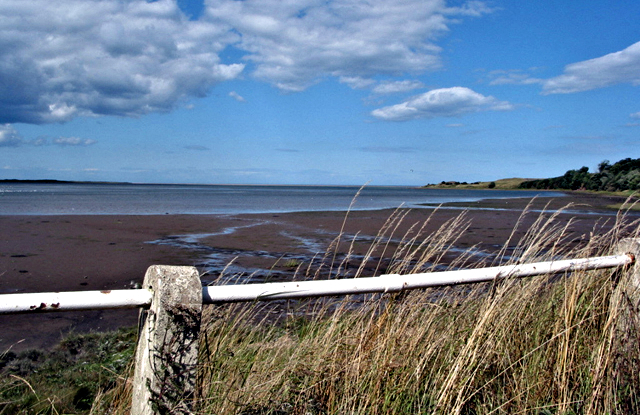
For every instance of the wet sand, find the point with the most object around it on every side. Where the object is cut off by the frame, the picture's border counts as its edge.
(70, 253)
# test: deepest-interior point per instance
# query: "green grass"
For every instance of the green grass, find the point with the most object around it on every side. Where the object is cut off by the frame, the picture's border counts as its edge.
(68, 378)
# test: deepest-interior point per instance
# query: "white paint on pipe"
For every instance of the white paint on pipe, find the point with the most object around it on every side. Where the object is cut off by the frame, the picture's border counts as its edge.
(74, 300)
(98, 300)
(396, 283)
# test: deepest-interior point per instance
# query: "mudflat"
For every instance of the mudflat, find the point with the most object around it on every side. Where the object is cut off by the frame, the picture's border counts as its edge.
(106, 252)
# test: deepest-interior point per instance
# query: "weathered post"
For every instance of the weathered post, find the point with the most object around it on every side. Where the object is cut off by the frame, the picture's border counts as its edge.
(632, 246)
(167, 351)
(628, 327)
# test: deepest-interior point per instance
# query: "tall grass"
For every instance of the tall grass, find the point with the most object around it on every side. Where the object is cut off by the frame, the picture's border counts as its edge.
(556, 344)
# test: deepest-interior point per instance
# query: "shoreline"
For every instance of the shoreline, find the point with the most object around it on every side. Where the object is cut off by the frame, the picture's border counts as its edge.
(94, 252)
(232, 200)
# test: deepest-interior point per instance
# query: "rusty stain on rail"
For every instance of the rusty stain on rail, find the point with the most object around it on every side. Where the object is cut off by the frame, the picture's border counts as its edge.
(43, 306)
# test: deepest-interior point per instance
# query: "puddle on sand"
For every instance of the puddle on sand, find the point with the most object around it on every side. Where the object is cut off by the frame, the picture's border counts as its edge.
(223, 265)
(218, 265)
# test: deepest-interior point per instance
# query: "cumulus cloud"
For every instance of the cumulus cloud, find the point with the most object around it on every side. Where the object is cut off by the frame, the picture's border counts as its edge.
(445, 102)
(380, 87)
(392, 87)
(61, 59)
(9, 137)
(67, 58)
(472, 8)
(357, 82)
(614, 68)
(294, 44)
(236, 96)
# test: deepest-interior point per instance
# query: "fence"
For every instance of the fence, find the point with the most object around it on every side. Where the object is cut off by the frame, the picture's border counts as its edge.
(172, 297)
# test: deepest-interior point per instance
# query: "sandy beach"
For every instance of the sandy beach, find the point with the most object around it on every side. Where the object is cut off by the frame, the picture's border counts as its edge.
(75, 252)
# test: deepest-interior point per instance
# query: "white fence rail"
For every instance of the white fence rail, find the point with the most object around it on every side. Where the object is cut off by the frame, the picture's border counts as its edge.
(99, 300)
(171, 300)
(395, 283)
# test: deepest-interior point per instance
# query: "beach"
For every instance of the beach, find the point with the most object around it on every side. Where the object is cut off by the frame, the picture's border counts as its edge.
(107, 252)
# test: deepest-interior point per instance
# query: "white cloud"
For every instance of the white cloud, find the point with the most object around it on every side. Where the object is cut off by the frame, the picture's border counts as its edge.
(445, 102)
(9, 137)
(73, 141)
(356, 82)
(393, 87)
(382, 87)
(236, 96)
(471, 8)
(65, 58)
(68, 58)
(614, 68)
(512, 77)
(635, 115)
(294, 44)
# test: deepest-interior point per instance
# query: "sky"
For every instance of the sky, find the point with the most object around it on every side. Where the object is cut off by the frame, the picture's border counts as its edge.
(331, 92)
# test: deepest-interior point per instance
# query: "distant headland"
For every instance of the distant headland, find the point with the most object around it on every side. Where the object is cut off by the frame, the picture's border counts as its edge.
(502, 184)
(53, 181)
(620, 177)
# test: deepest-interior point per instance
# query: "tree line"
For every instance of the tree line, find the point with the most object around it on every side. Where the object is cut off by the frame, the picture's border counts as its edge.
(620, 176)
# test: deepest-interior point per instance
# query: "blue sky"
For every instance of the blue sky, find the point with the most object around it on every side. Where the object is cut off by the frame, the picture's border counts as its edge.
(403, 92)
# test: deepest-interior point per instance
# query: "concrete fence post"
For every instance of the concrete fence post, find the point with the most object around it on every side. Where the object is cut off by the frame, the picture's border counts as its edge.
(167, 351)
(631, 246)
(628, 327)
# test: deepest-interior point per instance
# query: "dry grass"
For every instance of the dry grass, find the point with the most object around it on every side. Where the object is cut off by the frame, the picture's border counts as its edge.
(555, 344)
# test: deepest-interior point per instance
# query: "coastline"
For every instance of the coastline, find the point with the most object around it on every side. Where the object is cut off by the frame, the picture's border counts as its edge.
(94, 252)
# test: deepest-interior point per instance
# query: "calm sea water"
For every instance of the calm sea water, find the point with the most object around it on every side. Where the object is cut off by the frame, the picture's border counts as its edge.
(132, 199)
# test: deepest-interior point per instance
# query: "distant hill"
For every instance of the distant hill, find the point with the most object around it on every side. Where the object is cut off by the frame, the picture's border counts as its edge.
(621, 176)
(502, 184)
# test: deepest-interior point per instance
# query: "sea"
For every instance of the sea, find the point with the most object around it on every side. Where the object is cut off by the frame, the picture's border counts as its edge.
(158, 199)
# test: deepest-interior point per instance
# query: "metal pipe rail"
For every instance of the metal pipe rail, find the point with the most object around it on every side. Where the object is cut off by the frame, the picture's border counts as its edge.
(94, 300)
(74, 300)
(395, 283)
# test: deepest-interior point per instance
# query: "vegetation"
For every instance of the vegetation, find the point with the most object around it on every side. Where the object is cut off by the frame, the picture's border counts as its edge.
(502, 184)
(562, 344)
(621, 176)
(69, 378)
